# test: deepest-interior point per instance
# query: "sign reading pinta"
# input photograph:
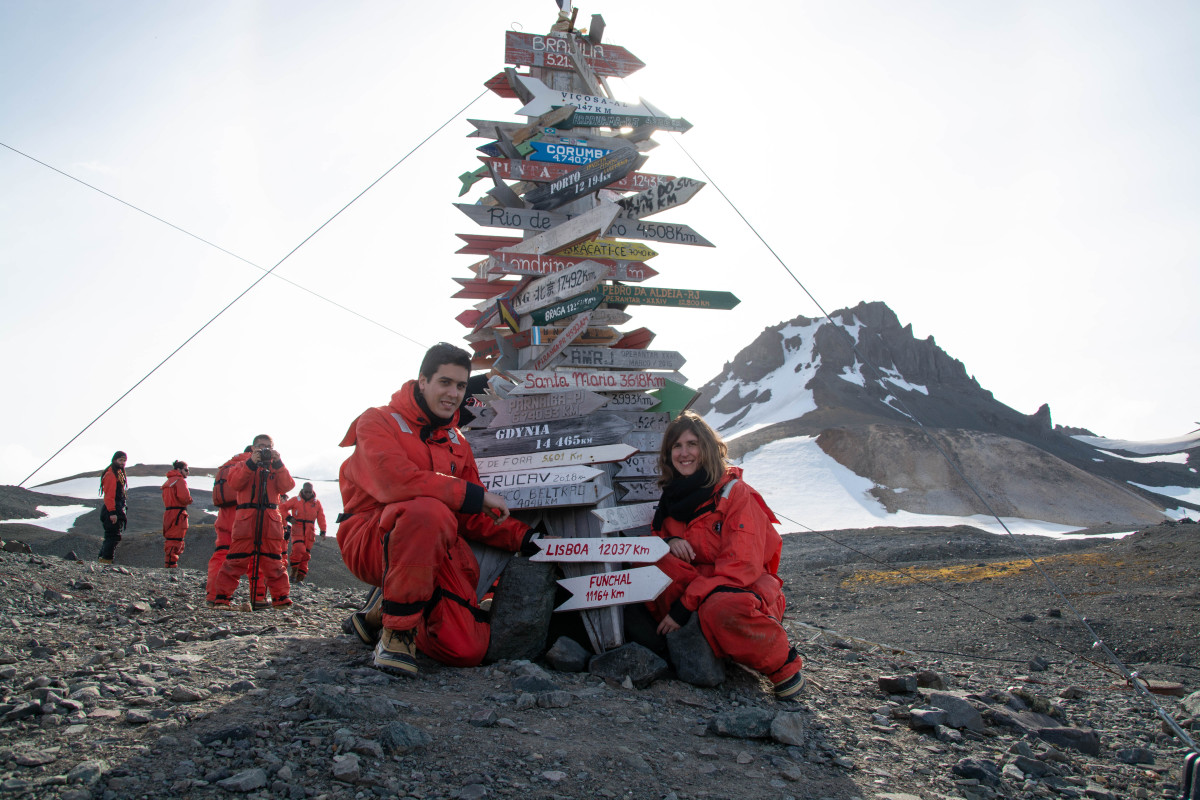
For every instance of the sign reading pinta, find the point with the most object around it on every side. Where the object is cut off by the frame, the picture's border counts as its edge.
(573, 414)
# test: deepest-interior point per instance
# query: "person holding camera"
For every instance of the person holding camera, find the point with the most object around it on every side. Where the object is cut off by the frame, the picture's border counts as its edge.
(256, 546)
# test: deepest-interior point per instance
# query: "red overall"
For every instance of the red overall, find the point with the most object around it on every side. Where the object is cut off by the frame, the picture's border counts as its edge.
(410, 503)
(256, 547)
(176, 499)
(224, 528)
(732, 582)
(307, 516)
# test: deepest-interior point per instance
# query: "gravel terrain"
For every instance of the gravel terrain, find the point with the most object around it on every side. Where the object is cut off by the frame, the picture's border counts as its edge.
(963, 676)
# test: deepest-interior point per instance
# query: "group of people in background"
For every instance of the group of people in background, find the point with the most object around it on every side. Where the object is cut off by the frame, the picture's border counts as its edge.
(413, 500)
(256, 521)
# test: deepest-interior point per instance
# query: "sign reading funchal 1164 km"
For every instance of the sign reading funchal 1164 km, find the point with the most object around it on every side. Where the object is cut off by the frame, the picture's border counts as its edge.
(576, 411)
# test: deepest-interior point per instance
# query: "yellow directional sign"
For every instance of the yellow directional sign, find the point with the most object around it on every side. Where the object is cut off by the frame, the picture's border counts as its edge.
(609, 248)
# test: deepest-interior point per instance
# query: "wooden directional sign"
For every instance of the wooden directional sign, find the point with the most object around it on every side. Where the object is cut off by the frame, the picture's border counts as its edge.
(643, 465)
(645, 441)
(637, 585)
(535, 408)
(565, 153)
(530, 50)
(534, 381)
(670, 232)
(638, 339)
(516, 218)
(638, 491)
(617, 120)
(666, 194)
(645, 421)
(567, 308)
(551, 476)
(607, 248)
(581, 494)
(538, 337)
(567, 234)
(591, 177)
(569, 334)
(555, 458)
(546, 99)
(475, 289)
(629, 401)
(484, 245)
(607, 358)
(632, 549)
(624, 518)
(675, 298)
(535, 264)
(673, 398)
(499, 84)
(558, 286)
(497, 150)
(544, 172)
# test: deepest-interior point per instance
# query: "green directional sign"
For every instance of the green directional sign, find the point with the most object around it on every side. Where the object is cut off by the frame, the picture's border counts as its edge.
(676, 298)
(569, 307)
(673, 398)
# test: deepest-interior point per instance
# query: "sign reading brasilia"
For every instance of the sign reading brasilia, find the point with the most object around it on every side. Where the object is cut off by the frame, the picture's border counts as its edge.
(574, 411)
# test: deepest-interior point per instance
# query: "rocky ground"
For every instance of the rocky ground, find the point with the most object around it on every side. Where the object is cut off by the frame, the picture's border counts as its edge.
(962, 677)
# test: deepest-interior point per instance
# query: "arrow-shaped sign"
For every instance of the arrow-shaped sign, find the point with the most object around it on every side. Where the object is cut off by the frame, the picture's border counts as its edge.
(550, 221)
(574, 154)
(625, 518)
(666, 194)
(596, 120)
(591, 177)
(544, 172)
(535, 408)
(643, 465)
(608, 358)
(673, 398)
(630, 401)
(534, 381)
(638, 491)
(675, 298)
(581, 494)
(537, 264)
(559, 434)
(558, 286)
(567, 308)
(605, 248)
(637, 585)
(558, 458)
(551, 476)
(532, 50)
(569, 334)
(631, 549)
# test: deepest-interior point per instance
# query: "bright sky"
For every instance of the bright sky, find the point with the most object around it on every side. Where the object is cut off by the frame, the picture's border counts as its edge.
(1018, 179)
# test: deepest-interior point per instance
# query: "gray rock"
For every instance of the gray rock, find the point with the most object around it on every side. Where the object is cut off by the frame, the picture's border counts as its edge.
(1191, 704)
(232, 734)
(1135, 755)
(1034, 768)
(400, 738)
(245, 781)
(898, 684)
(1085, 740)
(788, 728)
(484, 719)
(568, 655)
(743, 723)
(641, 665)
(980, 769)
(346, 768)
(959, 712)
(186, 694)
(327, 702)
(928, 679)
(472, 791)
(692, 656)
(555, 699)
(926, 719)
(534, 684)
(521, 609)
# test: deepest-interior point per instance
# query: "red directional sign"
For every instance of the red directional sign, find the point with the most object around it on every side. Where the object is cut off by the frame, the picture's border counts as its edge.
(546, 172)
(539, 264)
(608, 60)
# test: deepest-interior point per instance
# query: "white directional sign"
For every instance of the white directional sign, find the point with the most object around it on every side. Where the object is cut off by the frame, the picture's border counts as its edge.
(634, 549)
(534, 381)
(643, 465)
(525, 409)
(555, 458)
(551, 476)
(577, 494)
(558, 286)
(545, 99)
(624, 518)
(638, 585)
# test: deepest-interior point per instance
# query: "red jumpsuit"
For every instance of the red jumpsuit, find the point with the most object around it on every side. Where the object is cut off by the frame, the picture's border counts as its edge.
(307, 516)
(732, 582)
(224, 528)
(256, 546)
(409, 504)
(176, 499)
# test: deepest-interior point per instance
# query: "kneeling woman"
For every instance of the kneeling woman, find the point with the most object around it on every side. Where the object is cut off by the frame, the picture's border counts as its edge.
(724, 556)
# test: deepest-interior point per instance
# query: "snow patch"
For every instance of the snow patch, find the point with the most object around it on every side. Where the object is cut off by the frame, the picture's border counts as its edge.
(58, 518)
(1172, 445)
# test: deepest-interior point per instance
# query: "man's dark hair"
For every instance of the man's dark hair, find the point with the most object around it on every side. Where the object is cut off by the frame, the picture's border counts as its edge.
(263, 436)
(444, 353)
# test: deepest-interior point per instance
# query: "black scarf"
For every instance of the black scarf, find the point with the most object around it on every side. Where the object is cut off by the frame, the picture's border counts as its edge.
(685, 498)
(434, 421)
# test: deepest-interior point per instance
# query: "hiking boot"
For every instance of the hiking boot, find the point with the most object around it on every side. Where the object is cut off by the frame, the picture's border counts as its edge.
(104, 560)
(298, 576)
(212, 604)
(790, 688)
(367, 622)
(396, 652)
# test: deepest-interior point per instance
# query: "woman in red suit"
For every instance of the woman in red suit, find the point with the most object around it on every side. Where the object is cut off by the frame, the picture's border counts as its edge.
(724, 556)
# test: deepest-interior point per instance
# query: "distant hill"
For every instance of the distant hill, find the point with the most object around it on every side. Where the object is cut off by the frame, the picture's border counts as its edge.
(861, 383)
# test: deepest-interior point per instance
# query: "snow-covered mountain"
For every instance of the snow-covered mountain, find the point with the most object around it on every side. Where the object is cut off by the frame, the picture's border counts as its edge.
(856, 388)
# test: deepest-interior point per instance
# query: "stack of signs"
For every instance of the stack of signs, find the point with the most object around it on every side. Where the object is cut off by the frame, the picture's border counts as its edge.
(576, 408)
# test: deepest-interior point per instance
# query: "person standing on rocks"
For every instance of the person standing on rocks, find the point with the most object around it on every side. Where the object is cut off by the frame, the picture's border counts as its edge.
(724, 556)
(225, 499)
(176, 499)
(307, 515)
(256, 545)
(113, 517)
(412, 499)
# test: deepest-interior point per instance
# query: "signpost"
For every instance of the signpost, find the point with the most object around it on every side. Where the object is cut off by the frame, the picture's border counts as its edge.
(556, 458)
(675, 298)
(544, 172)
(645, 441)
(569, 334)
(557, 286)
(533, 408)
(608, 358)
(565, 153)
(637, 585)
(544, 99)
(551, 476)
(559, 434)
(580, 494)
(630, 401)
(532, 381)
(666, 194)
(538, 264)
(643, 465)
(591, 177)
(608, 248)
(549, 221)
(606, 60)
(624, 518)
(638, 491)
(630, 549)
